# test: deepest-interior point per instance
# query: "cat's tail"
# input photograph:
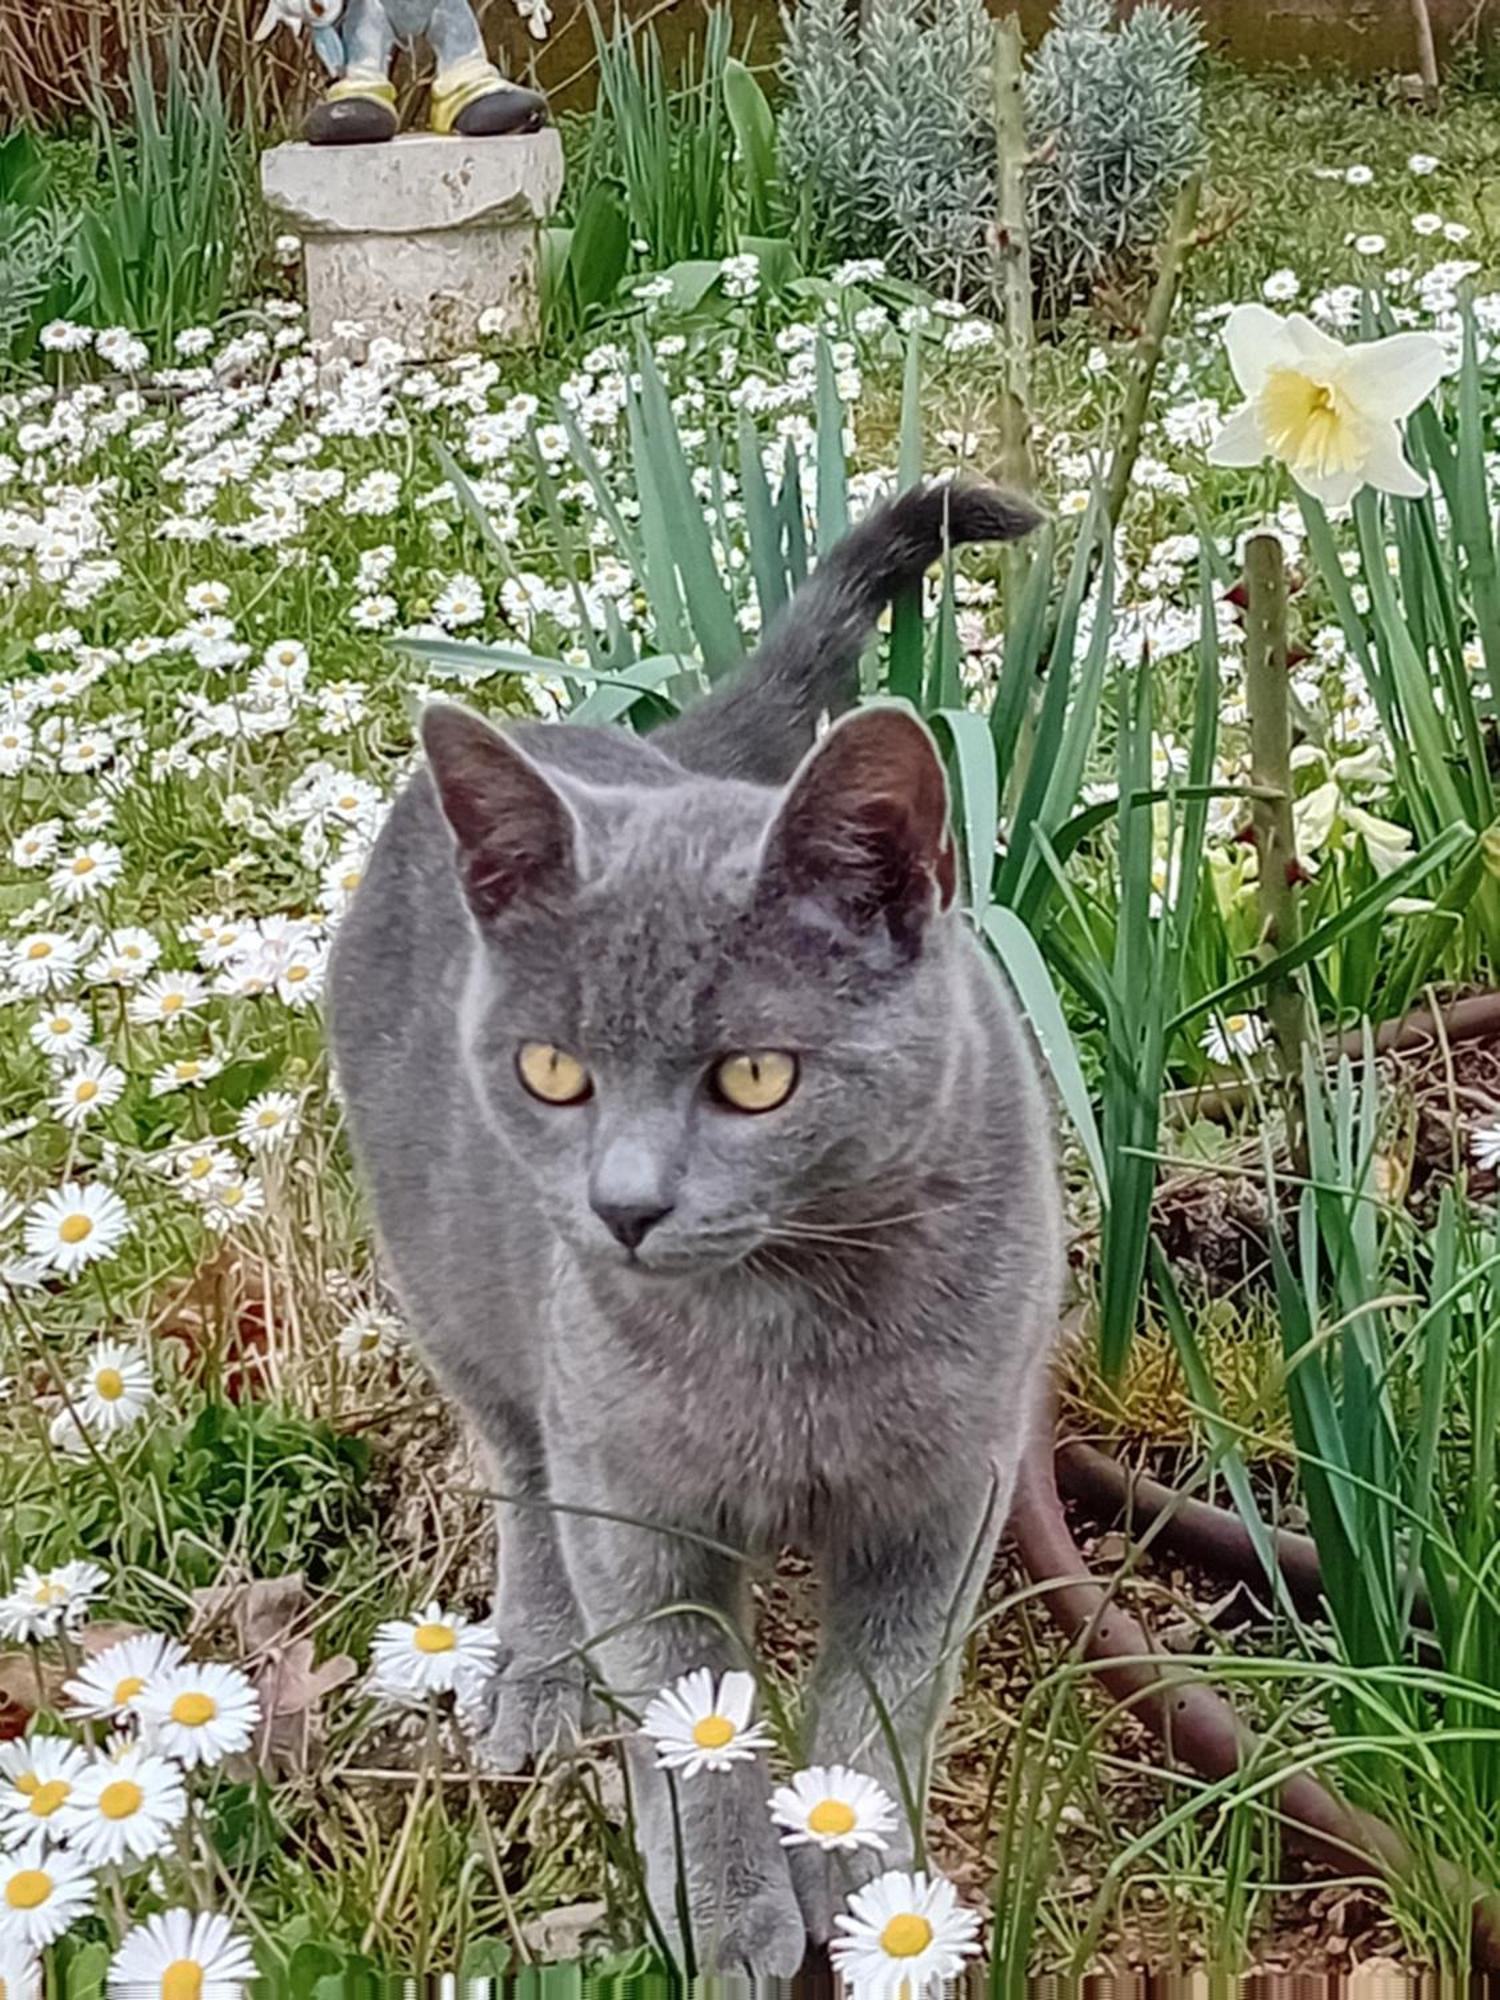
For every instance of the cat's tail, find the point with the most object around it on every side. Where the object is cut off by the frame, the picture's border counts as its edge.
(762, 725)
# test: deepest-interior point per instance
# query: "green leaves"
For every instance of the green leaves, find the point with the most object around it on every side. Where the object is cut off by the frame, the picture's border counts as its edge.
(164, 250)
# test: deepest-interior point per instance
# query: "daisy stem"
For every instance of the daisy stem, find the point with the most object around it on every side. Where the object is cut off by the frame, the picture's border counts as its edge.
(398, 1859)
(34, 1648)
(119, 1915)
(492, 1855)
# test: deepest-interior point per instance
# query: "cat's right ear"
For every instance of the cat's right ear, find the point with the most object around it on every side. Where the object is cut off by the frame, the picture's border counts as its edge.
(516, 836)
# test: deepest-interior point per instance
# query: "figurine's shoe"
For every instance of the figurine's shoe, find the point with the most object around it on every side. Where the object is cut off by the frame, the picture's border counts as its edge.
(352, 119)
(509, 109)
(475, 99)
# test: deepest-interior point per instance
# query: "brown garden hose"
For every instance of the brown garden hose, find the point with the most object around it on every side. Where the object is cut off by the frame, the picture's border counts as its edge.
(1195, 1725)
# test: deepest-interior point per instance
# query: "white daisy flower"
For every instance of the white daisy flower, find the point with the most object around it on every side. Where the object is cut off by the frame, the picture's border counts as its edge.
(202, 1169)
(124, 958)
(1484, 1146)
(117, 1389)
(185, 1073)
(698, 1726)
(199, 1713)
(902, 1936)
(269, 1121)
(36, 845)
(92, 869)
(87, 1090)
(368, 1335)
(237, 1201)
(42, 1894)
(123, 1807)
(62, 1029)
(179, 1956)
(42, 1603)
(414, 1657)
(37, 1778)
(207, 599)
(1233, 1035)
(75, 1225)
(833, 1807)
(287, 657)
(109, 1685)
(20, 1973)
(42, 962)
(171, 996)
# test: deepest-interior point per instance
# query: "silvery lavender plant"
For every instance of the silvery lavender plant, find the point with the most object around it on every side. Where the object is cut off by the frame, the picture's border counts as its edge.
(1116, 116)
(888, 119)
(888, 122)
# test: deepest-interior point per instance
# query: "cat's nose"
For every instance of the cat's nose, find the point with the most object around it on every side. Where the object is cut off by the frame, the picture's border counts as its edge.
(629, 1222)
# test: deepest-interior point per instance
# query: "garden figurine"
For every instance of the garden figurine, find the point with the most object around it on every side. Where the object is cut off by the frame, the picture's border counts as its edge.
(356, 41)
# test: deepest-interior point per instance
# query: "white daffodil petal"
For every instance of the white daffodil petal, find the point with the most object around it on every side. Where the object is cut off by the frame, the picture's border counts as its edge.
(1389, 468)
(1331, 489)
(1315, 352)
(1256, 341)
(1391, 378)
(1242, 441)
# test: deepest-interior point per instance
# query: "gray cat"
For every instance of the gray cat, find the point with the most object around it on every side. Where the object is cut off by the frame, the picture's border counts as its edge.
(715, 1173)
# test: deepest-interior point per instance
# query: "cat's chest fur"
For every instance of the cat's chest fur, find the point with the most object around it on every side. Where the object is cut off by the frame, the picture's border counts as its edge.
(758, 1411)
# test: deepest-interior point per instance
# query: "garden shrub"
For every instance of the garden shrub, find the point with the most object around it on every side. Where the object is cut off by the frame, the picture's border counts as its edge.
(890, 123)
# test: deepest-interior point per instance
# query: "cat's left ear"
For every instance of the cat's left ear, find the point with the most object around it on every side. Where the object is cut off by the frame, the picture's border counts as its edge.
(864, 828)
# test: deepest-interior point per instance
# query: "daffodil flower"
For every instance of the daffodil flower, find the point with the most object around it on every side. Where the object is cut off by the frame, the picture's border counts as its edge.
(1330, 413)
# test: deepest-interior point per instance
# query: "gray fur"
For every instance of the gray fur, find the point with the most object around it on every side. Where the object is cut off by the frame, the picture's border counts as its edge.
(834, 1335)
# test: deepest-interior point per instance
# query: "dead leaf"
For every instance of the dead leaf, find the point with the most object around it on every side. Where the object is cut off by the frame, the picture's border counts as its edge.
(292, 1691)
(265, 1614)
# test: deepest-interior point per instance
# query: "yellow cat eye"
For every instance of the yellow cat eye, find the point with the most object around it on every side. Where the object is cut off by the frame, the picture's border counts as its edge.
(552, 1074)
(758, 1080)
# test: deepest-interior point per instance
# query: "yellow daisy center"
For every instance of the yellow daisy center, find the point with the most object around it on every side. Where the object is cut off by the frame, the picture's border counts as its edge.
(831, 1816)
(232, 1197)
(86, 1090)
(1309, 425)
(170, 1002)
(110, 1384)
(192, 1710)
(906, 1936)
(200, 1168)
(295, 974)
(60, 1024)
(434, 1638)
(84, 864)
(40, 949)
(27, 1783)
(1237, 1023)
(188, 1070)
(48, 1592)
(28, 1889)
(74, 1228)
(350, 881)
(46, 1799)
(121, 1800)
(182, 1980)
(127, 1689)
(713, 1732)
(267, 1119)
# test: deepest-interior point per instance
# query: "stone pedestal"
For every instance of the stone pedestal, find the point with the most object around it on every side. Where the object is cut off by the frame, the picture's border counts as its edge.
(416, 240)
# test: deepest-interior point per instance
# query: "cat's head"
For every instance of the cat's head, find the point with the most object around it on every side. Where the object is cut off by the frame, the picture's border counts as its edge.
(705, 1015)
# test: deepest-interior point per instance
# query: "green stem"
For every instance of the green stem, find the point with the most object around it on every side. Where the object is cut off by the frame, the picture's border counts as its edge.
(1267, 697)
(1144, 363)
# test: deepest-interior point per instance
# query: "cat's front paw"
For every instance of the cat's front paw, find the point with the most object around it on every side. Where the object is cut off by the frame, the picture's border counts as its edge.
(519, 1718)
(761, 1933)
